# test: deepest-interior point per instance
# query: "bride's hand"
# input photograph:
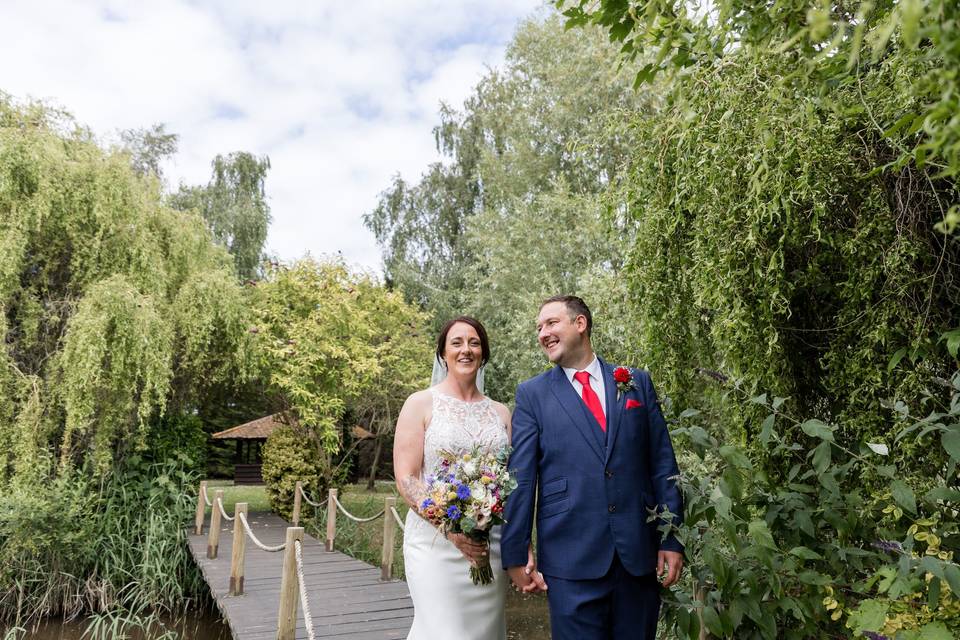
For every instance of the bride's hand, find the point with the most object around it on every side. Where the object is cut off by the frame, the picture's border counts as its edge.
(471, 550)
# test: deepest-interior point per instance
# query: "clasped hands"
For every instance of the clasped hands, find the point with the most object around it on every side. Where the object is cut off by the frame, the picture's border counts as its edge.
(527, 579)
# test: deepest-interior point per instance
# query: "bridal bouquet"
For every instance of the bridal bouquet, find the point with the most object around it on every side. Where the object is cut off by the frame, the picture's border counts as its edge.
(466, 494)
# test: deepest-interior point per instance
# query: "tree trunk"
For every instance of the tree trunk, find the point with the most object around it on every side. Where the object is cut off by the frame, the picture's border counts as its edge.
(371, 481)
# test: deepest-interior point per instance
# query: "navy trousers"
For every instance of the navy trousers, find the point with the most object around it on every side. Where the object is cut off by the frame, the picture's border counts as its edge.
(618, 606)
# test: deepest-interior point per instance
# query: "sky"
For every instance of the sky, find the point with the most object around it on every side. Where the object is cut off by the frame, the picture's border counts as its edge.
(341, 95)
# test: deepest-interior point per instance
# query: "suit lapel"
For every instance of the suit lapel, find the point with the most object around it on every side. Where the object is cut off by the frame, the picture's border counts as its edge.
(576, 410)
(613, 407)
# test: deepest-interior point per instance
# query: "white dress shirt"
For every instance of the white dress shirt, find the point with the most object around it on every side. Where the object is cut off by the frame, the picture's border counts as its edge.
(596, 381)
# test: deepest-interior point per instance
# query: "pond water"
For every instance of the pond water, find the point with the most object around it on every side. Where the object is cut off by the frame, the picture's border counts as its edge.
(527, 619)
(194, 626)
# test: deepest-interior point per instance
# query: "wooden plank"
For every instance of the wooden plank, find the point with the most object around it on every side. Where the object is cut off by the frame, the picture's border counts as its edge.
(347, 598)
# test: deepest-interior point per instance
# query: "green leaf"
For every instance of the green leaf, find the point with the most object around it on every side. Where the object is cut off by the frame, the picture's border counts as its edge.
(818, 429)
(897, 357)
(943, 493)
(760, 533)
(950, 440)
(712, 620)
(903, 495)
(766, 429)
(933, 565)
(933, 593)
(879, 448)
(734, 456)
(953, 341)
(821, 457)
(935, 631)
(951, 573)
(869, 616)
(805, 553)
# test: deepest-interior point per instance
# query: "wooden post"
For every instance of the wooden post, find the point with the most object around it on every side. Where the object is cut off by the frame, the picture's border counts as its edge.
(297, 492)
(331, 518)
(389, 532)
(699, 593)
(239, 551)
(289, 588)
(213, 538)
(201, 508)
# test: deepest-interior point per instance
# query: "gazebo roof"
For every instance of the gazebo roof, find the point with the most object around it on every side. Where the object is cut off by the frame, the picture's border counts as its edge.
(258, 429)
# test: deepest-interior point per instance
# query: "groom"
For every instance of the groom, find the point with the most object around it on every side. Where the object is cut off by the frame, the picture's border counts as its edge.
(593, 457)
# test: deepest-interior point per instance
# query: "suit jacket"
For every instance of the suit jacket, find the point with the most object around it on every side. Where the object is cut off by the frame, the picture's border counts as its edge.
(591, 491)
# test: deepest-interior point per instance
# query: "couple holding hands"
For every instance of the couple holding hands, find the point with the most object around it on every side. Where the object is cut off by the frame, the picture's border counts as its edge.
(593, 462)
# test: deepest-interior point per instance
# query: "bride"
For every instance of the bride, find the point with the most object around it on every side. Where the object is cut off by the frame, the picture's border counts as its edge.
(455, 416)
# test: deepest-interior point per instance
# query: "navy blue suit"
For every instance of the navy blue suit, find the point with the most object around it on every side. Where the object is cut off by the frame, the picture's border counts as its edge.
(592, 492)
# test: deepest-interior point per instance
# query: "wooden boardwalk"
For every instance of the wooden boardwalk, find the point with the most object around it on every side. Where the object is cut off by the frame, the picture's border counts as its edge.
(347, 599)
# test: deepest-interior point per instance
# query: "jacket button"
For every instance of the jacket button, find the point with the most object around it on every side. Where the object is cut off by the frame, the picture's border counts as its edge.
(611, 508)
(608, 473)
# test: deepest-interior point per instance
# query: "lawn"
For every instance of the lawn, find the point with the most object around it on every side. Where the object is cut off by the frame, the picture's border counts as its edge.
(253, 494)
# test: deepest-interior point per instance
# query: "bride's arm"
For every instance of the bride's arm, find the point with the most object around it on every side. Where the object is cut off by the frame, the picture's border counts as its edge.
(408, 461)
(408, 447)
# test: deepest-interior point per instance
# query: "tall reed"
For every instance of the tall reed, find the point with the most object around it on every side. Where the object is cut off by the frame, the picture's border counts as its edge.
(114, 550)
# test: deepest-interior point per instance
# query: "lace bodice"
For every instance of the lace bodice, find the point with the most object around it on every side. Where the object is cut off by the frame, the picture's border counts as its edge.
(460, 426)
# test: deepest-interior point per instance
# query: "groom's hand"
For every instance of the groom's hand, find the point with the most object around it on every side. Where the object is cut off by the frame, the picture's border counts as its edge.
(671, 564)
(525, 582)
(527, 579)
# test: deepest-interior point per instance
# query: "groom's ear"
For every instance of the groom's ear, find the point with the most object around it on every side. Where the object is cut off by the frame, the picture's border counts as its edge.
(581, 323)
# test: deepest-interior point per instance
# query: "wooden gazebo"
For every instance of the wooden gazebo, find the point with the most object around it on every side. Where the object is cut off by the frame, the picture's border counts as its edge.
(250, 438)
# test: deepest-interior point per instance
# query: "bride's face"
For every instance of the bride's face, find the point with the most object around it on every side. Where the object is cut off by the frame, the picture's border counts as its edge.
(463, 352)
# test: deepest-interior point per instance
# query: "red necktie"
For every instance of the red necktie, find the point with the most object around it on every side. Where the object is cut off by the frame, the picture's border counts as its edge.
(590, 399)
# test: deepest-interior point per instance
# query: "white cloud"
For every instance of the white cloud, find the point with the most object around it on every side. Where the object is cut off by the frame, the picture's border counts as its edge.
(340, 95)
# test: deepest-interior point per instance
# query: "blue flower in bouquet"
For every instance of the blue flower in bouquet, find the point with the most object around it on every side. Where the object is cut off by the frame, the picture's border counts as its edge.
(451, 478)
(463, 492)
(426, 503)
(453, 512)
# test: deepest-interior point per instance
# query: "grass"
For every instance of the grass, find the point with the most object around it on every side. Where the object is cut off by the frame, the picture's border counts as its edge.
(361, 540)
(253, 494)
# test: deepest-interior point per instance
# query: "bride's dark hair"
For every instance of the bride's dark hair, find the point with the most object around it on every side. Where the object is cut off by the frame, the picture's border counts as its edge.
(473, 322)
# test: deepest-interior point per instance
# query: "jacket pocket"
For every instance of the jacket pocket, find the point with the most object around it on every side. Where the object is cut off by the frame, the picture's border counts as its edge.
(553, 508)
(553, 490)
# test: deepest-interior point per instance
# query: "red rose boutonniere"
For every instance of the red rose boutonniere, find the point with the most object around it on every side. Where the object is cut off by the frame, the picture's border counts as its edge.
(624, 380)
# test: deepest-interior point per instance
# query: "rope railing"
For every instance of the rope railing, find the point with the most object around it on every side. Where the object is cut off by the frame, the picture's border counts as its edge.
(256, 541)
(302, 584)
(223, 512)
(349, 515)
(396, 517)
(293, 583)
(306, 498)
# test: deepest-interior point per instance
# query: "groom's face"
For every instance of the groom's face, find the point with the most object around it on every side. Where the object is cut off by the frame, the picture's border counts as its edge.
(560, 336)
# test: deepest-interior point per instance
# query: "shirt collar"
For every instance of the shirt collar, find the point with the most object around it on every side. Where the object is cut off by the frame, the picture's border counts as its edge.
(593, 369)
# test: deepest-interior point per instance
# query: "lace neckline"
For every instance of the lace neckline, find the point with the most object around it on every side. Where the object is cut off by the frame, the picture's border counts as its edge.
(468, 402)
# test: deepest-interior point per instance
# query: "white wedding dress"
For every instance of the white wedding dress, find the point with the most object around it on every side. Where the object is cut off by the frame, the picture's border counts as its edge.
(446, 603)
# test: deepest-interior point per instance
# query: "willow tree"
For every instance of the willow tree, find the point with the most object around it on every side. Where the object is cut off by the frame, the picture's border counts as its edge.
(116, 308)
(793, 199)
(116, 313)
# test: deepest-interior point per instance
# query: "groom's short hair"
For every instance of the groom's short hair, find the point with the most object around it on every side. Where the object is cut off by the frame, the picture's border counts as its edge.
(575, 307)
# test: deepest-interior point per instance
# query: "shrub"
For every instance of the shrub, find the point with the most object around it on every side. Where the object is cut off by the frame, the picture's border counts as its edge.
(292, 454)
(816, 555)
